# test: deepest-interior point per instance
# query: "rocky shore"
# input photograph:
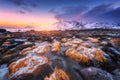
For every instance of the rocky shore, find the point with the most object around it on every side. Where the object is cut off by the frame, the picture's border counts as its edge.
(60, 55)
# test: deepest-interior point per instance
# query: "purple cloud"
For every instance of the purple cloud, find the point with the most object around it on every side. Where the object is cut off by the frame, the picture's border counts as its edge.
(101, 13)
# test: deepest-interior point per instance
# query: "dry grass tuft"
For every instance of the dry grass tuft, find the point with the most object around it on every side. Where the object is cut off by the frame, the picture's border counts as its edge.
(73, 54)
(58, 74)
(55, 47)
(98, 55)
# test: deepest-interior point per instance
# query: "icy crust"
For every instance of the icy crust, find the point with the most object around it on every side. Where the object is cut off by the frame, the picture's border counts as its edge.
(27, 65)
(58, 74)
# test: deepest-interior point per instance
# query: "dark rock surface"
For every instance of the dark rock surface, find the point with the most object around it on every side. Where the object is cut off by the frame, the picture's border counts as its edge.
(92, 73)
(2, 30)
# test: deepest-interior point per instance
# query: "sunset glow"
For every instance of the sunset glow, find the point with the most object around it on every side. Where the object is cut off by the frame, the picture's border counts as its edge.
(41, 21)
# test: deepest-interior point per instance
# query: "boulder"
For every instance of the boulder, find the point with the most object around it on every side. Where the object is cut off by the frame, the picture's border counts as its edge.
(2, 30)
(93, 73)
(39, 49)
(29, 67)
(73, 54)
(84, 54)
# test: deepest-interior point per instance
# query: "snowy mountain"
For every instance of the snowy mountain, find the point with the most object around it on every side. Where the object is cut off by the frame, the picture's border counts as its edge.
(76, 25)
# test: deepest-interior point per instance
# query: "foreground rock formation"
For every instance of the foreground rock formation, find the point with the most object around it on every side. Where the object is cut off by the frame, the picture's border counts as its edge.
(58, 57)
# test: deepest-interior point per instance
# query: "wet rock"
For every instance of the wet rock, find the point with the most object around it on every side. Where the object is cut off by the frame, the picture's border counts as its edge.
(7, 58)
(92, 73)
(59, 63)
(20, 40)
(22, 46)
(114, 51)
(116, 73)
(7, 47)
(11, 51)
(29, 67)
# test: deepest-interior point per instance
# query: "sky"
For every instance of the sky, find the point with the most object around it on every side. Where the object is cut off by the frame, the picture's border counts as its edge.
(42, 14)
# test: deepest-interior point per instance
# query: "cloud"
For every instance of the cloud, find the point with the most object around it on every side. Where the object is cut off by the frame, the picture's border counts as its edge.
(97, 10)
(112, 15)
(21, 12)
(105, 13)
(71, 12)
(100, 13)
(24, 5)
(18, 2)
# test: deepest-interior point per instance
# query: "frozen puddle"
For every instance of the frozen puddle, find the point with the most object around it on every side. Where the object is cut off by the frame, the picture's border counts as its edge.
(3, 71)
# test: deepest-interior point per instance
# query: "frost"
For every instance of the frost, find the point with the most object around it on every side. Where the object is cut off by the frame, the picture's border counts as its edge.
(40, 48)
(27, 65)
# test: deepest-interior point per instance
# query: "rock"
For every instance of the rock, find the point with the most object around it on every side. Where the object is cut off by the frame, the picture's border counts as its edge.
(64, 39)
(58, 74)
(55, 47)
(98, 55)
(81, 58)
(29, 67)
(38, 48)
(77, 41)
(11, 51)
(93, 73)
(7, 47)
(6, 43)
(85, 44)
(115, 42)
(84, 54)
(12, 45)
(59, 63)
(73, 54)
(22, 46)
(94, 40)
(116, 73)
(2, 30)
(7, 58)
(114, 51)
